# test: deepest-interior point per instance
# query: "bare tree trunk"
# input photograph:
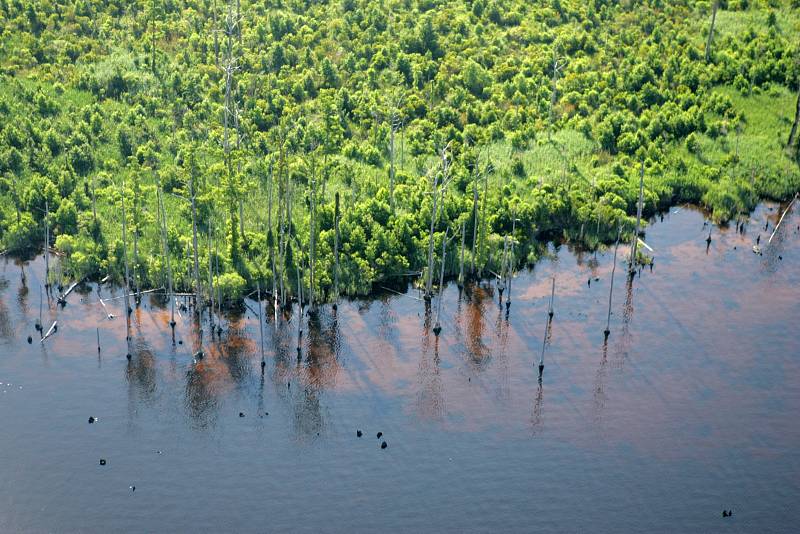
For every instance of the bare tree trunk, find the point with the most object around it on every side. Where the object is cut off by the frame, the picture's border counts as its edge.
(483, 218)
(792, 144)
(711, 30)
(46, 244)
(611, 287)
(94, 202)
(474, 217)
(138, 297)
(165, 248)
(194, 247)
(392, 128)
(429, 281)
(127, 271)
(634, 246)
(461, 262)
(210, 284)
(336, 216)
(216, 36)
(312, 240)
(438, 327)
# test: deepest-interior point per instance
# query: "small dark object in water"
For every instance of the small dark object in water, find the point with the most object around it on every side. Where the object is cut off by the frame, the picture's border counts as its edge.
(172, 324)
(469, 379)
(335, 307)
(508, 304)
(708, 239)
(241, 414)
(380, 434)
(38, 327)
(734, 247)
(263, 364)
(92, 420)
(128, 356)
(437, 330)
(780, 257)
(589, 282)
(596, 278)
(30, 340)
(198, 355)
(180, 342)
(383, 445)
(55, 328)
(288, 385)
(606, 332)
(102, 461)
(133, 488)
(359, 433)
(758, 240)
(541, 369)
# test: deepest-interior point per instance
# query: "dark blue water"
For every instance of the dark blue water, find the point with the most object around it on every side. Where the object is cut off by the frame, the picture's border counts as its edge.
(690, 408)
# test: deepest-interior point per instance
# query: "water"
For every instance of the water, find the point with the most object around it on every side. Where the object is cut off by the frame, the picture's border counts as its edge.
(689, 409)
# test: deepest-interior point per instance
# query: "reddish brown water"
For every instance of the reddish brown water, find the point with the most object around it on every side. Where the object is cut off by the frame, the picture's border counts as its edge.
(691, 407)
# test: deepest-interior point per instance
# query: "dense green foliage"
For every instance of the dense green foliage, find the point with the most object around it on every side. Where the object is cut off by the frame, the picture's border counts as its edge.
(94, 94)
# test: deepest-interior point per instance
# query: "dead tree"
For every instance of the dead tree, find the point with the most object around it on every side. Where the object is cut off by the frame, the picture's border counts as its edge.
(127, 271)
(394, 127)
(165, 248)
(558, 66)
(711, 30)
(312, 245)
(475, 174)
(461, 261)
(607, 331)
(793, 145)
(336, 216)
(216, 33)
(634, 247)
(438, 190)
(46, 245)
(194, 245)
(137, 285)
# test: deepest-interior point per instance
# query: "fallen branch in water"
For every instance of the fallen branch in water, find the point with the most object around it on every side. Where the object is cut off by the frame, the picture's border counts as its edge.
(51, 331)
(63, 298)
(781, 219)
(401, 294)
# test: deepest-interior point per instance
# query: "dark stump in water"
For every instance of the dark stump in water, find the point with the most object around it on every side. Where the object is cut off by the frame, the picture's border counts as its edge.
(437, 329)
(383, 445)
(359, 433)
